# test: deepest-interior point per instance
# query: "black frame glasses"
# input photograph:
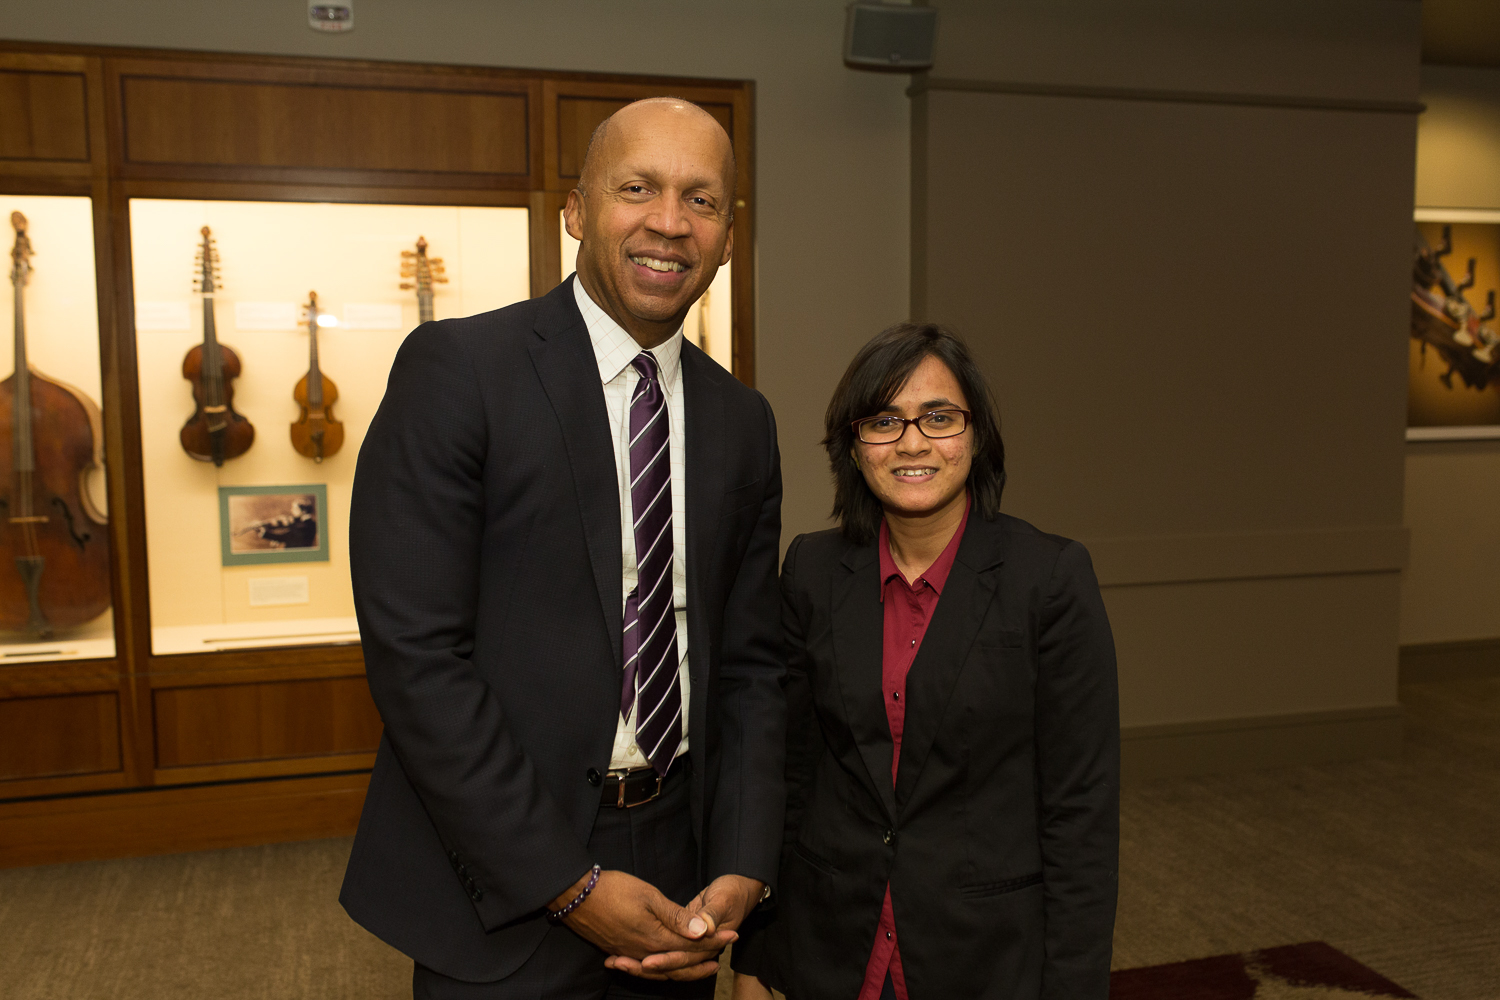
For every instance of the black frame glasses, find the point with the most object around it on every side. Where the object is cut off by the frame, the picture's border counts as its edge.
(922, 428)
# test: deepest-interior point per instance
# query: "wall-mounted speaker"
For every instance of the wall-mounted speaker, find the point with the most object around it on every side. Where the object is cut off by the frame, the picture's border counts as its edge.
(889, 36)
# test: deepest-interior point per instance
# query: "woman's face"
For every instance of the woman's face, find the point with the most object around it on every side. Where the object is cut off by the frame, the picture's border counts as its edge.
(916, 475)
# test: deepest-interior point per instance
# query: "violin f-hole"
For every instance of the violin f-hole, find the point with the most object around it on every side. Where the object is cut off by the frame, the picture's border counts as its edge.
(67, 513)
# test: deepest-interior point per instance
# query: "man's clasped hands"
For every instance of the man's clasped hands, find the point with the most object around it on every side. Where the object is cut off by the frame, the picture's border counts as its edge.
(645, 934)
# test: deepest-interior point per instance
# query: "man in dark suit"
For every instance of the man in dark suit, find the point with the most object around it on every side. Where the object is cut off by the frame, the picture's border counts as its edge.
(563, 541)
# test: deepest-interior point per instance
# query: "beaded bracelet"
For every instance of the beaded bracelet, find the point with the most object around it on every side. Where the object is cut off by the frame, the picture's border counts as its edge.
(556, 916)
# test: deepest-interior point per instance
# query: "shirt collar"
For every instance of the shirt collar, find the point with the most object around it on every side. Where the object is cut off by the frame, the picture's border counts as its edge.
(614, 349)
(936, 575)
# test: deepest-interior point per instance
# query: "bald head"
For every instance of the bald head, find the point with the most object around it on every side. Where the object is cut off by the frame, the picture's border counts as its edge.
(653, 214)
(663, 116)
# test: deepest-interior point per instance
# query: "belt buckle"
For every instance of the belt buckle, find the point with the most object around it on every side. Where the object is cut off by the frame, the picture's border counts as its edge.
(620, 802)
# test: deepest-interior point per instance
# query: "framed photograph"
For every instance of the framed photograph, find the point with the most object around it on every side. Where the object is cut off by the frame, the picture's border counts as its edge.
(1453, 352)
(273, 524)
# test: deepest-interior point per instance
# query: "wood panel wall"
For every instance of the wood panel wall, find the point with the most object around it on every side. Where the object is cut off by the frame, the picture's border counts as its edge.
(45, 116)
(193, 741)
(56, 735)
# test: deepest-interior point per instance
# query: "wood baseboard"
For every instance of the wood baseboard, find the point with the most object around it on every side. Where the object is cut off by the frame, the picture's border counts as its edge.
(168, 820)
(1450, 661)
(1181, 750)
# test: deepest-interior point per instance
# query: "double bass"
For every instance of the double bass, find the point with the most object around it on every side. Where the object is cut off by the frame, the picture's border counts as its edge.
(54, 551)
(214, 432)
(316, 433)
(424, 272)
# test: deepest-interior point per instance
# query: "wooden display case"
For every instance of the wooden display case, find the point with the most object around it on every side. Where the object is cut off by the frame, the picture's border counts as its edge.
(152, 749)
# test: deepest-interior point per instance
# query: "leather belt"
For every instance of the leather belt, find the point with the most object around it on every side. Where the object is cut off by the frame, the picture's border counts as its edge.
(628, 789)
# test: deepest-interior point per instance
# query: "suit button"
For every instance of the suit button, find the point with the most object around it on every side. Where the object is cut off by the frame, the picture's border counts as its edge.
(459, 867)
(453, 856)
(889, 836)
(595, 778)
(477, 895)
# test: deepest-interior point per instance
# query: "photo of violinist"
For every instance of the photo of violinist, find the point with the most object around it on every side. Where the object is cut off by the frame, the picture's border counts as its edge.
(273, 524)
(1453, 380)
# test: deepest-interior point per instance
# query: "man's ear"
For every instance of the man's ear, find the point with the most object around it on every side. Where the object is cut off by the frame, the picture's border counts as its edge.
(728, 244)
(573, 214)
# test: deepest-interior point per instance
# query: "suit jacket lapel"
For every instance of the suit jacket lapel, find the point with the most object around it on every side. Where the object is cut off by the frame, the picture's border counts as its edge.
(564, 360)
(967, 596)
(858, 631)
(703, 436)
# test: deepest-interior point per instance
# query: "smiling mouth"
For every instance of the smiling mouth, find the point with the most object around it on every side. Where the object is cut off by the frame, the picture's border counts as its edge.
(915, 472)
(658, 265)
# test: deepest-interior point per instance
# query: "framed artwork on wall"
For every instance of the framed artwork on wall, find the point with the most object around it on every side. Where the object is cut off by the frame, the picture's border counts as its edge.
(273, 524)
(1453, 351)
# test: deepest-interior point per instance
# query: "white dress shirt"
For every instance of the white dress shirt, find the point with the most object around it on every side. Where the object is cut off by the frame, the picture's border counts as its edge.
(614, 349)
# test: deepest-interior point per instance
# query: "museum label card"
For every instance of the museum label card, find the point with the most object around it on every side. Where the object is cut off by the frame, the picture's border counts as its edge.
(265, 315)
(162, 315)
(270, 591)
(373, 316)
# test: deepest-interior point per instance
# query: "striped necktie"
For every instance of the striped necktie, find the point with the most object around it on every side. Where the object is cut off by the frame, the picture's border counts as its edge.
(650, 620)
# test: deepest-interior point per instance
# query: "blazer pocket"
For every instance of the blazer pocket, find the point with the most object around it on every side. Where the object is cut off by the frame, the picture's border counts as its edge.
(1004, 639)
(740, 497)
(813, 861)
(1000, 888)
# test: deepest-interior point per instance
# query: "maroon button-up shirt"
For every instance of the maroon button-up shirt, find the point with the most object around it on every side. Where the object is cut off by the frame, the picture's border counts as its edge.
(908, 609)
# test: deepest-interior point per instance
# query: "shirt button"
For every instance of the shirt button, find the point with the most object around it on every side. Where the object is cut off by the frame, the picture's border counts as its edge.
(914, 642)
(888, 935)
(896, 695)
(634, 749)
(889, 836)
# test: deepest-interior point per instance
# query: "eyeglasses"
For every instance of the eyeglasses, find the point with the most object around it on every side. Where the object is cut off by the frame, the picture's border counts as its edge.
(889, 428)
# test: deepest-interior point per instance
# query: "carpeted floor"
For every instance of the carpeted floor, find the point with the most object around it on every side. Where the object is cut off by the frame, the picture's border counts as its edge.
(1394, 863)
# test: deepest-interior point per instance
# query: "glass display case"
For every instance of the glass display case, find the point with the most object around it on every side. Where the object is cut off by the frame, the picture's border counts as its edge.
(210, 253)
(247, 549)
(55, 565)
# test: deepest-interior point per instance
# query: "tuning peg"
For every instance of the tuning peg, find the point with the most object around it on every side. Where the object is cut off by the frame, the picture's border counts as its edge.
(434, 260)
(405, 287)
(440, 281)
(408, 253)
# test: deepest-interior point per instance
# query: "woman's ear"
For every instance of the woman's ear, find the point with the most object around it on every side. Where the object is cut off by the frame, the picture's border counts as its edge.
(854, 455)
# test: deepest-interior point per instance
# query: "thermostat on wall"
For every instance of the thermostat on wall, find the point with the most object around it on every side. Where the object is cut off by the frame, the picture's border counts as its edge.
(330, 16)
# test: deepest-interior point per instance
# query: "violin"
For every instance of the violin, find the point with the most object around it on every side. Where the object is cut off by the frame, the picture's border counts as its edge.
(214, 432)
(316, 433)
(425, 272)
(54, 555)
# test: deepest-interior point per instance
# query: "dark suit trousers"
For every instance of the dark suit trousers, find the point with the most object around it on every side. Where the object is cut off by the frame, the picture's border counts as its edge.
(654, 842)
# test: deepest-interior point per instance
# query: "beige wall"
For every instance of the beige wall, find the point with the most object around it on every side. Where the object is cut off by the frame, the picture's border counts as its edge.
(1193, 314)
(831, 144)
(1449, 591)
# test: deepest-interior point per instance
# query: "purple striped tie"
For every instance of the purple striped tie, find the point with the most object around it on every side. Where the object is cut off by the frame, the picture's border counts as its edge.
(650, 621)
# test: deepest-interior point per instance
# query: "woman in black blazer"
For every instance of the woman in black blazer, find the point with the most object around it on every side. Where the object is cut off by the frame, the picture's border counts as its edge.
(953, 739)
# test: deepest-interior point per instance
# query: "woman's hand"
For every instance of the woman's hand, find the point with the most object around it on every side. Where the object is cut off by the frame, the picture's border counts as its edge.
(749, 988)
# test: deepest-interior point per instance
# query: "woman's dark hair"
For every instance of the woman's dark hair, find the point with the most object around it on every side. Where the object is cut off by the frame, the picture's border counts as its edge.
(872, 380)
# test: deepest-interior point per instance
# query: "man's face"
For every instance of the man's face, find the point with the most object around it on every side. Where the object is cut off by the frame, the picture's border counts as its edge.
(654, 224)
